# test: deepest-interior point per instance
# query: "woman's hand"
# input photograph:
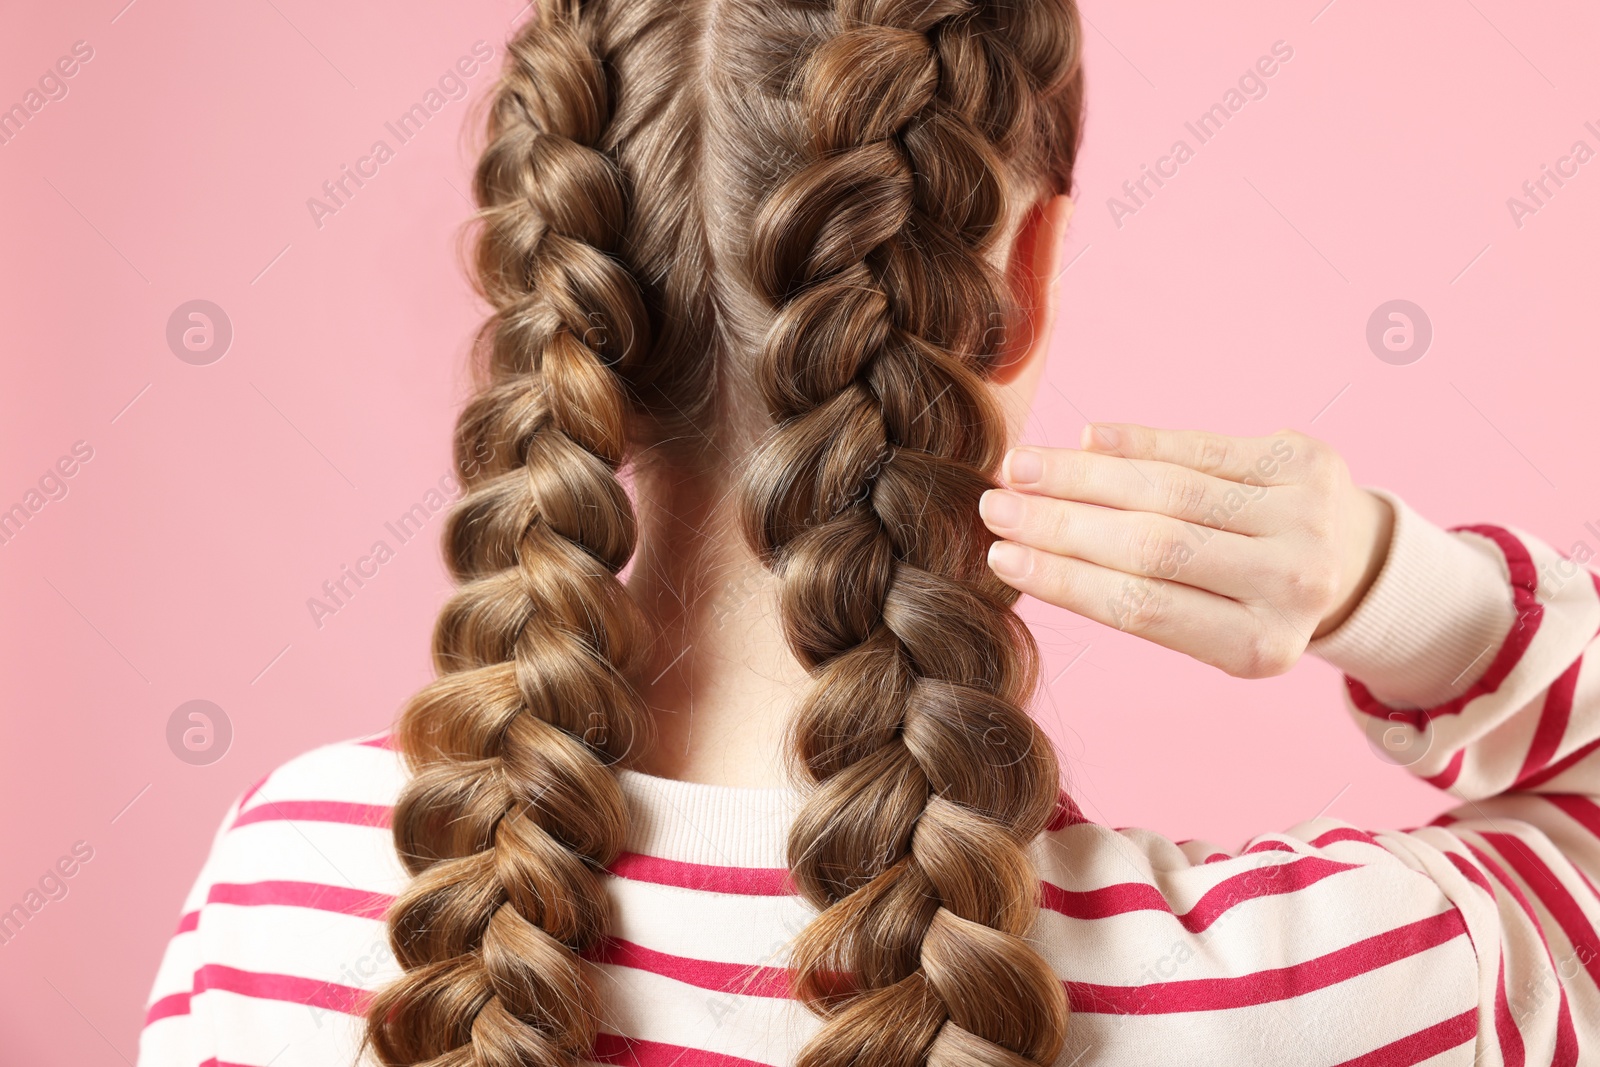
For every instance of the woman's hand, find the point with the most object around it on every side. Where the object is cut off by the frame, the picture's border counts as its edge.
(1237, 551)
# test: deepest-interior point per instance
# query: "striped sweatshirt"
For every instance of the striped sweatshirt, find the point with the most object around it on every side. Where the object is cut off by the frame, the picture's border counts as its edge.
(1471, 940)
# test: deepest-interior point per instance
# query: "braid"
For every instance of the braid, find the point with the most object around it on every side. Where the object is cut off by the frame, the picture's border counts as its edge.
(929, 780)
(668, 186)
(512, 811)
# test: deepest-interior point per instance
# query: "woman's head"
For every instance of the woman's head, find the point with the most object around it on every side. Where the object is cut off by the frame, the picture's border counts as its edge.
(711, 121)
(802, 244)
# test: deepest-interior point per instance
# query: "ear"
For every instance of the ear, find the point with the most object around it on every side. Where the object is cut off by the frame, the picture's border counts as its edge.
(1034, 265)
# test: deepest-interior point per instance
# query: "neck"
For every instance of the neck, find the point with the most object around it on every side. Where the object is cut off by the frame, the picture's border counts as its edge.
(723, 682)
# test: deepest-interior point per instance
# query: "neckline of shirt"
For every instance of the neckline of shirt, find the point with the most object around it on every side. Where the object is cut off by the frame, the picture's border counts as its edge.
(713, 825)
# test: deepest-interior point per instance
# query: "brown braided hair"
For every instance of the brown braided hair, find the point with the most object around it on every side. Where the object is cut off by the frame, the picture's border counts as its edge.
(711, 228)
(930, 780)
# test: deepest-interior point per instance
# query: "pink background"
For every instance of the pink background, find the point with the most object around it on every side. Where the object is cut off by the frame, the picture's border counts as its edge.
(220, 497)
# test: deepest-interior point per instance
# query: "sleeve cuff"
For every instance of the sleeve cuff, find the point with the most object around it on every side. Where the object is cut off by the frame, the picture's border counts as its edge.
(1429, 626)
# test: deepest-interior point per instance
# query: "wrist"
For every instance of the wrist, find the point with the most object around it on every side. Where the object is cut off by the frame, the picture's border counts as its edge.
(1369, 530)
(1428, 627)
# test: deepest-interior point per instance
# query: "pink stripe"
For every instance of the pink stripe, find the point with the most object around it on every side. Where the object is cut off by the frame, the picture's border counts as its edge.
(1470, 872)
(1512, 1049)
(248, 793)
(1583, 810)
(737, 881)
(189, 921)
(1263, 987)
(1556, 898)
(1447, 777)
(635, 1052)
(1422, 1045)
(1249, 885)
(1558, 768)
(1268, 846)
(1343, 833)
(288, 988)
(168, 1006)
(1524, 577)
(374, 815)
(1553, 720)
(341, 899)
(1566, 1050)
(1067, 814)
(746, 979)
(384, 741)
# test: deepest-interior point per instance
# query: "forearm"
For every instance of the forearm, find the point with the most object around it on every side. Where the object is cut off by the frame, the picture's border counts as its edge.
(1469, 651)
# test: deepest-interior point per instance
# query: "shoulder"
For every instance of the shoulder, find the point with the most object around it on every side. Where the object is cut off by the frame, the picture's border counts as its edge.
(355, 781)
(321, 818)
(283, 933)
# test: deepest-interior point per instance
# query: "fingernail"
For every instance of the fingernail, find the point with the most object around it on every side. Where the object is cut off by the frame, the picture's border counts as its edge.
(1024, 467)
(1000, 508)
(1100, 437)
(1010, 561)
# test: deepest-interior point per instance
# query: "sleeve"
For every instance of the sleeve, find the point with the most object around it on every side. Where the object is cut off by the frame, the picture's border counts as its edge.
(1473, 661)
(172, 1035)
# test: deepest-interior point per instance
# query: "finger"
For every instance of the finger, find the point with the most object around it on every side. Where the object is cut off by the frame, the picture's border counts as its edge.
(1141, 485)
(1135, 542)
(1250, 460)
(1205, 626)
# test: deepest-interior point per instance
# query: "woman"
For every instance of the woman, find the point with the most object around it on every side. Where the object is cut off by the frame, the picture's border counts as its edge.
(775, 799)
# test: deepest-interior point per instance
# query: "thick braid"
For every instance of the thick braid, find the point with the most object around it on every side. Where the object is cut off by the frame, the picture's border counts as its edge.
(513, 812)
(930, 780)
